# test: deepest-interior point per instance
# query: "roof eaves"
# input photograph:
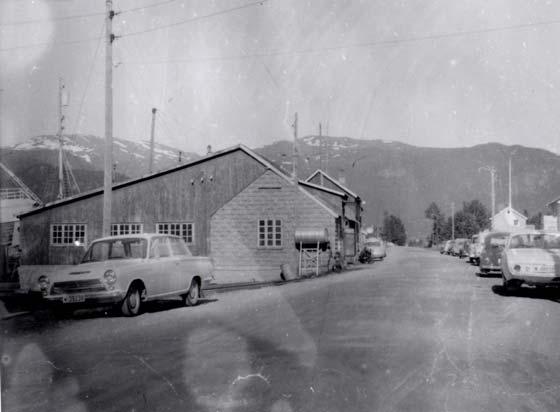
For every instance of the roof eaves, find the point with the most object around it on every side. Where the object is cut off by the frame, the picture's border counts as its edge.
(328, 209)
(323, 188)
(95, 192)
(333, 181)
(553, 201)
(265, 163)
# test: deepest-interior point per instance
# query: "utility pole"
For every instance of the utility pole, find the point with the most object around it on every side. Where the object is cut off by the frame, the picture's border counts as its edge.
(107, 172)
(60, 132)
(152, 141)
(492, 171)
(321, 150)
(509, 197)
(453, 220)
(294, 148)
(1, 135)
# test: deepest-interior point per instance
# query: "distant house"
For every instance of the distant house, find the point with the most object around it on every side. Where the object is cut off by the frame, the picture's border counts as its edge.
(508, 219)
(352, 212)
(554, 207)
(233, 205)
(15, 198)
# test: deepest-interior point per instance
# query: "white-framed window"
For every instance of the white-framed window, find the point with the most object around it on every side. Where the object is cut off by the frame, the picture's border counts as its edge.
(126, 229)
(270, 233)
(68, 234)
(183, 229)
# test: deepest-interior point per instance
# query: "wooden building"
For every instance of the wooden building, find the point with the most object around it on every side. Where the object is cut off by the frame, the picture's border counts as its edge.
(222, 205)
(254, 235)
(352, 212)
(15, 198)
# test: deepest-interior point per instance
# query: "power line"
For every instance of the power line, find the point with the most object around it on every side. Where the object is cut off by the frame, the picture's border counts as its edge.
(198, 18)
(357, 45)
(221, 12)
(23, 22)
(61, 43)
(149, 6)
(89, 78)
(81, 16)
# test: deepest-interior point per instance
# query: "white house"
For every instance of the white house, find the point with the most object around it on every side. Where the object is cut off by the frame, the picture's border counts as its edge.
(508, 219)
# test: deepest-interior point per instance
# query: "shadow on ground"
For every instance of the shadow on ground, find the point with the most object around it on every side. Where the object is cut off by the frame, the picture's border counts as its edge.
(548, 293)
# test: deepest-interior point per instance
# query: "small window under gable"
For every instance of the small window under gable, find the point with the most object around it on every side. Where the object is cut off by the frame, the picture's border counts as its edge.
(270, 233)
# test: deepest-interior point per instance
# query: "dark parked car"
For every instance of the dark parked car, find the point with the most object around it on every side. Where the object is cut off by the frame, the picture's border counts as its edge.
(491, 255)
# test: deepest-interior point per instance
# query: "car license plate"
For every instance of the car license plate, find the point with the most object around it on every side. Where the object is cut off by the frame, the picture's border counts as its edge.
(73, 298)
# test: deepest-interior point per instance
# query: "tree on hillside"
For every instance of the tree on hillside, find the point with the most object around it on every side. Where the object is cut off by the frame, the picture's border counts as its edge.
(393, 230)
(438, 222)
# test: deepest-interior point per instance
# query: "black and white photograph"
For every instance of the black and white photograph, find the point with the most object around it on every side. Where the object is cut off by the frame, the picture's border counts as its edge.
(279, 205)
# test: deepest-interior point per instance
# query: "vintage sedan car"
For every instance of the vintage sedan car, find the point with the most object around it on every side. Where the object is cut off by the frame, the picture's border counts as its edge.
(459, 247)
(447, 247)
(376, 248)
(126, 271)
(475, 247)
(531, 258)
(491, 255)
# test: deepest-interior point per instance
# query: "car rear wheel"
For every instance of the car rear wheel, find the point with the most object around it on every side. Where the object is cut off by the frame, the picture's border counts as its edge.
(132, 302)
(193, 295)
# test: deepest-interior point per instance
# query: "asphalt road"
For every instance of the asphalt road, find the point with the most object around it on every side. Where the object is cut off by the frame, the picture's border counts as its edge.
(417, 332)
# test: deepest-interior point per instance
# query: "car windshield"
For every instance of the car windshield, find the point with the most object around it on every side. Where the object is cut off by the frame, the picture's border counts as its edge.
(130, 248)
(535, 241)
(496, 240)
(373, 243)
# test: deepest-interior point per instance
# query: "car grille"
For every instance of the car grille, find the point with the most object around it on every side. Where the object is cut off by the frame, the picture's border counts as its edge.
(77, 286)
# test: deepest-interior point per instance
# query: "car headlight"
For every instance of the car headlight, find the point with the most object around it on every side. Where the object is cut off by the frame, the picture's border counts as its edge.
(44, 283)
(499, 261)
(517, 268)
(110, 277)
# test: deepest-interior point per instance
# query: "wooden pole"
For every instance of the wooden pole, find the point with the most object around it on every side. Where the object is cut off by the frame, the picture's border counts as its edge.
(60, 131)
(294, 149)
(108, 167)
(152, 140)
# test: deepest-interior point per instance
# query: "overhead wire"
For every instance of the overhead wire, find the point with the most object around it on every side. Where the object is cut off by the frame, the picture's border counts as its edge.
(370, 44)
(92, 65)
(149, 6)
(193, 19)
(82, 16)
(61, 18)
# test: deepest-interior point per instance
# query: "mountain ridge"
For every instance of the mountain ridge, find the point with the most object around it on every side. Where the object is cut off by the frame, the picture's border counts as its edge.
(391, 176)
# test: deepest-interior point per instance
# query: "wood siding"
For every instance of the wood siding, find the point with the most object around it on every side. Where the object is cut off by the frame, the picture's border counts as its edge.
(188, 194)
(234, 229)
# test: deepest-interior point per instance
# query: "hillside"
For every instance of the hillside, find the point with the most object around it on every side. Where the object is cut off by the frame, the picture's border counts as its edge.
(404, 179)
(35, 161)
(389, 176)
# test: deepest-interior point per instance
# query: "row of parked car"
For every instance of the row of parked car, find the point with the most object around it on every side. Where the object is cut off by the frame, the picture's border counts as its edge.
(529, 257)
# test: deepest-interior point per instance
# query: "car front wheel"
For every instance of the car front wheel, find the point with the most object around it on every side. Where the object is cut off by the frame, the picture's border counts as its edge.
(193, 295)
(132, 302)
(511, 285)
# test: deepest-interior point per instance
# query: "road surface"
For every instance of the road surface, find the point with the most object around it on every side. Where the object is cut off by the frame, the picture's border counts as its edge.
(416, 332)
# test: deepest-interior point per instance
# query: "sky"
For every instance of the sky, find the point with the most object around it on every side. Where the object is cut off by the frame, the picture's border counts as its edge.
(222, 72)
